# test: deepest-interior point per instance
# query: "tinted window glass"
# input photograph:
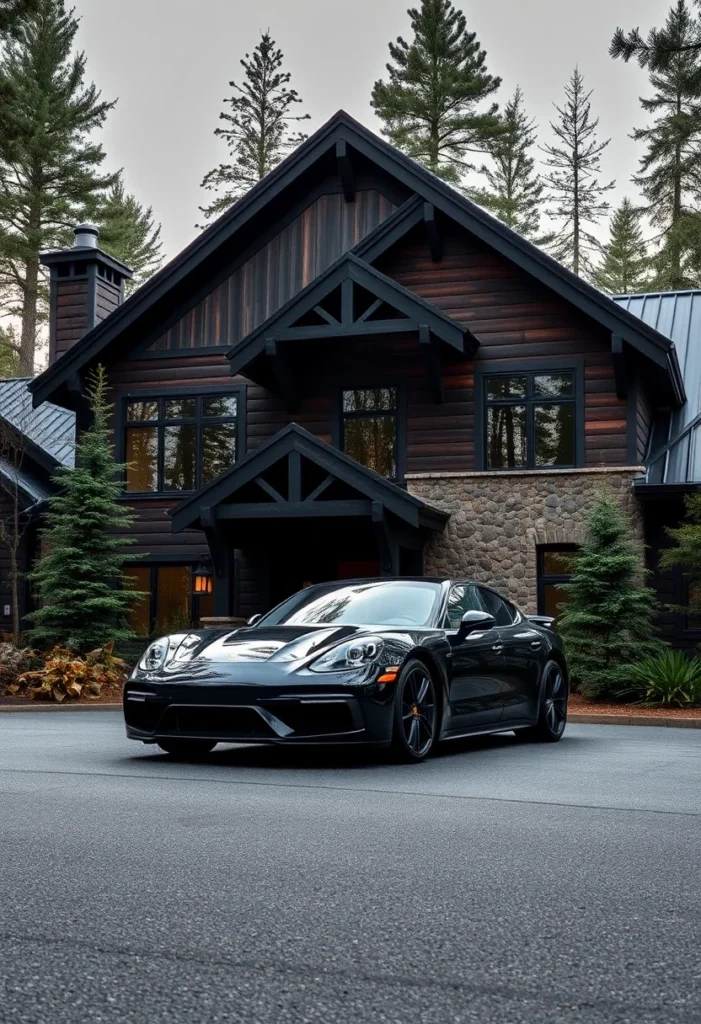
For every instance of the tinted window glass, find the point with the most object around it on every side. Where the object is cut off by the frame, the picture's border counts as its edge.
(370, 428)
(496, 607)
(463, 598)
(363, 604)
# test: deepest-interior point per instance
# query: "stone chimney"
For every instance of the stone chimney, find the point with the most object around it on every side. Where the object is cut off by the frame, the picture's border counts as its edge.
(86, 286)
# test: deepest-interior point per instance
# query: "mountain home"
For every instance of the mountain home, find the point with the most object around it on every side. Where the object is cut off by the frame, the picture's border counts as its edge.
(357, 371)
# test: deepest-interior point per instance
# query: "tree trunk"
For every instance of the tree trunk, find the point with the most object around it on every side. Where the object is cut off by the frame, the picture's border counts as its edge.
(29, 319)
(14, 593)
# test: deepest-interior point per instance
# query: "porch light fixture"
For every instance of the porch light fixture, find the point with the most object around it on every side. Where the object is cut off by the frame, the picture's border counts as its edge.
(202, 580)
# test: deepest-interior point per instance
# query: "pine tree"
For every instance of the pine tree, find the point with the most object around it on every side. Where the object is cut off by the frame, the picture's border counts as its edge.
(607, 624)
(129, 233)
(685, 554)
(574, 184)
(625, 267)
(9, 352)
(258, 129)
(13, 13)
(50, 163)
(78, 577)
(670, 170)
(436, 82)
(656, 49)
(515, 192)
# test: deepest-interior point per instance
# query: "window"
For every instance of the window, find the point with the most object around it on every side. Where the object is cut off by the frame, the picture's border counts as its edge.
(369, 428)
(530, 420)
(463, 598)
(178, 444)
(554, 569)
(169, 604)
(504, 613)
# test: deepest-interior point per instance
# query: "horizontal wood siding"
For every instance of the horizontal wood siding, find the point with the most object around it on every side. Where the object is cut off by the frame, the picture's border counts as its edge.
(107, 298)
(515, 320)
(287, 263)
(71, 314)
(643, 418)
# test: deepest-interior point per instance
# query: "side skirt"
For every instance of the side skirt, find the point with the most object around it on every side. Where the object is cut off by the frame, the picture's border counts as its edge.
(496, 728)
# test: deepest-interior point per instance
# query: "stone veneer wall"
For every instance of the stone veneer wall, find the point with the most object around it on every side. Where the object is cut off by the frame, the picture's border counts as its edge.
(498, 519)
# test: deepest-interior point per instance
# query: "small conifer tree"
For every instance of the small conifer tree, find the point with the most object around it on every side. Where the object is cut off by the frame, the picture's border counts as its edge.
(625, 266)
(607, 624)
(78, 578)
(129, 232)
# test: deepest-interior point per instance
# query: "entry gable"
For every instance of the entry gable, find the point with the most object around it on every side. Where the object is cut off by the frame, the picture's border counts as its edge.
(295, 475)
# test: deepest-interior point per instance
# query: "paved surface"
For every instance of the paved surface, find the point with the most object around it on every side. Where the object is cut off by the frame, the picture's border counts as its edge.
(497, 882)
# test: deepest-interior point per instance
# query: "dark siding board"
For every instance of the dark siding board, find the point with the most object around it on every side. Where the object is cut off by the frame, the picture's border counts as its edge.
(71, 313)
(515, 319)
(643, 412)
(281, 268)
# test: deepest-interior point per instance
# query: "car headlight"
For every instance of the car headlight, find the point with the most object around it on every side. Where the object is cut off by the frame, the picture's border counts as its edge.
(155, 655)
(349, 655)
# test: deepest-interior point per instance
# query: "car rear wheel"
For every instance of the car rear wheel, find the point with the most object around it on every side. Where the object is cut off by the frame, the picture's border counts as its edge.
(552, 711)
(415, 713)
(187, 748)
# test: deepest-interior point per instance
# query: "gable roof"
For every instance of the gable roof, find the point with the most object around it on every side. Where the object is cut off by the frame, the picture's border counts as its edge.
(293, 438)
(674, 451)
(49, 429)
(416, 311)
(339, 129)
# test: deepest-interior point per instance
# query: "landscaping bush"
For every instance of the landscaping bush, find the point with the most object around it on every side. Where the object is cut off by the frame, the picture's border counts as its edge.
(66, 676)
(670, 678)
(608, 624)
(14, 661)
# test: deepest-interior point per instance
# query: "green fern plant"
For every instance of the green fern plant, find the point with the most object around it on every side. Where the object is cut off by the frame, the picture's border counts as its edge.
(671, 678)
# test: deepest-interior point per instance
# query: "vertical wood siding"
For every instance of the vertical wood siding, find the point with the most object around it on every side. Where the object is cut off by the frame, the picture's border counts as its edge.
(287, 263)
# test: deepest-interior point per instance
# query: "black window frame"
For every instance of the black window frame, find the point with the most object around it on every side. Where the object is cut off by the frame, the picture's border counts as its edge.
(166, 561)
(550, 579)
(162, 396)
(529, 370)
(372, 384)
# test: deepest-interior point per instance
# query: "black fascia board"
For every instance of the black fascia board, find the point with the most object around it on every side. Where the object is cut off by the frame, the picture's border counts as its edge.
(84, 253)
(350, 266)
(295, 438)
(417, 179)
(659, 491)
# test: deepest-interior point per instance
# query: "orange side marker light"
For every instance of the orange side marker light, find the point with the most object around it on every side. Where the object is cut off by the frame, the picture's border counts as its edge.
(389, 675)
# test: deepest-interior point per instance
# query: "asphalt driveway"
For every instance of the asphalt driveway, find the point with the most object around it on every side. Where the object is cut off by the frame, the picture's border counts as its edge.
(496, 882)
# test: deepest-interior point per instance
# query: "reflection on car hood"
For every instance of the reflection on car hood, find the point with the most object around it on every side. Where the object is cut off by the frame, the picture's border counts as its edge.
(274, 643)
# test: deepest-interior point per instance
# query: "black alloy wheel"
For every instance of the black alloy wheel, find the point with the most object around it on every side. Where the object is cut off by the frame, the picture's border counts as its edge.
(415, 713)
(187, 748)
(552, 713)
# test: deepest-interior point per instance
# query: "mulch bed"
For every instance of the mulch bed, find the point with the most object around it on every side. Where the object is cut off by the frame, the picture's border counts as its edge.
(581, 706)
(110, 697)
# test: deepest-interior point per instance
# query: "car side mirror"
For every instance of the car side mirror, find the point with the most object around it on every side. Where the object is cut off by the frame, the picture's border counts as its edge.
(473, 621)
(253, 619)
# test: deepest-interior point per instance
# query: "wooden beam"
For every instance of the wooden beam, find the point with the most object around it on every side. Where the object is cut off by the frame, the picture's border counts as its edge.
(294, 478)
(372, 308)
(351, 330)
(345, 170)
(320, 311)
(432, 233)
(347, 302)
(269, 489)
(296, 510)
(318, 491)
(620, 371)
(386, 546)
(282, 372)
(432, 361)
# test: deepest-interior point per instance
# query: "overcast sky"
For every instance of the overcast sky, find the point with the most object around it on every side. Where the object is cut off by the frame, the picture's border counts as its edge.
(169, 63)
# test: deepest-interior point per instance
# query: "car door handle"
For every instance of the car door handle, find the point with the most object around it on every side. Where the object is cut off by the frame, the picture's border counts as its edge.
(498, 648)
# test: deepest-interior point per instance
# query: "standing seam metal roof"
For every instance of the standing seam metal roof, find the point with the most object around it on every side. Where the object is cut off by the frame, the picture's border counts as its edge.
(674, 451)
(50, 427)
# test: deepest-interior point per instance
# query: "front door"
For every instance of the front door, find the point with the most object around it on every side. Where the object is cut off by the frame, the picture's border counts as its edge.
(477, 664)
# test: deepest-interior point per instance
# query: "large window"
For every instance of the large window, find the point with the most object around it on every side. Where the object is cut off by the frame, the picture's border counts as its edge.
(530, 420)
(169, 604)
(554, 569)
(369, 428)
(179, 443)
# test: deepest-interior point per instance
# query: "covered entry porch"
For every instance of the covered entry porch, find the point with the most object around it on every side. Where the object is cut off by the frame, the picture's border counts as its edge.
(297, 511)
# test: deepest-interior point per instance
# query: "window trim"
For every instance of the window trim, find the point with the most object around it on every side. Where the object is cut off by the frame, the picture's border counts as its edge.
(156, 394)
(514, 368)
(550, 579)
(370, 382)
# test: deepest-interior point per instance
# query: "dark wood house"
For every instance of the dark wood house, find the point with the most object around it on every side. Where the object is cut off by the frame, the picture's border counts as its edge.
(357, 371)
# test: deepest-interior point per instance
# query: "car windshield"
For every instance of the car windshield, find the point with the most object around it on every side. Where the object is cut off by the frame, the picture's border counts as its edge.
(400, 603)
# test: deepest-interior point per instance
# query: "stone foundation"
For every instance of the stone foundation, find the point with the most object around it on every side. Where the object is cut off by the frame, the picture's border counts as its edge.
(497, 520)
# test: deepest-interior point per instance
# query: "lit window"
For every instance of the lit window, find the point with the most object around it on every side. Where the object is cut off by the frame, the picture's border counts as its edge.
(554, 569)
(169, 604)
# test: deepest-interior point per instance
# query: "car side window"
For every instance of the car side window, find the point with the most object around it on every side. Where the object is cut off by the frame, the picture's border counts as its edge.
(463, 598)
(501, 611)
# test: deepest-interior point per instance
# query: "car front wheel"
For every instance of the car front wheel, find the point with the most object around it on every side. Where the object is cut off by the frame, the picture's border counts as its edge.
(415, 713)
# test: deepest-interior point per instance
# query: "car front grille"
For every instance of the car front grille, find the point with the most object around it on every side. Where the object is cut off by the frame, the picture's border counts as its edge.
(307, 718)
(215, 721)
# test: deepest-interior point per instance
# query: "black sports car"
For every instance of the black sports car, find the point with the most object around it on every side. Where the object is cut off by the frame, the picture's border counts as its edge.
(391, 662)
